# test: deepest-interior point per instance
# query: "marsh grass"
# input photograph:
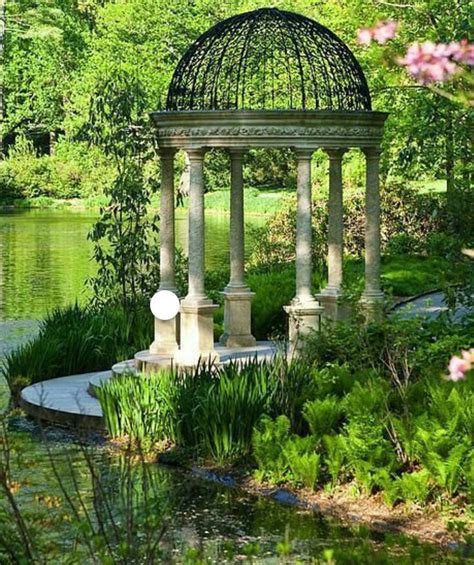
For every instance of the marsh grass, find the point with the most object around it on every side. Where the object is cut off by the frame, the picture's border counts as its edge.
(75, 340)
(213, 410)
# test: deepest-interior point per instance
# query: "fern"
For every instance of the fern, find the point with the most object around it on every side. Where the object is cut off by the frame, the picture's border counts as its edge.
(446, 471)
(302, 460)
(415, 487)
(335, 456)
(323, 416)
(390, 487)
(268, 441)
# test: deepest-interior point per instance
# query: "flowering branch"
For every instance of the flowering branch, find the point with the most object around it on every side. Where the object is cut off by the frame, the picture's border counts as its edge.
(429, 63)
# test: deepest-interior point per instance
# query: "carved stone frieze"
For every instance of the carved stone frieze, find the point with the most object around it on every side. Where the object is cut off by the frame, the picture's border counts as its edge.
(269, 131)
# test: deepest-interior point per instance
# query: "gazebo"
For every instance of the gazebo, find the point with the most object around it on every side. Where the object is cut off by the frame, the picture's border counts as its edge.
(269, 79)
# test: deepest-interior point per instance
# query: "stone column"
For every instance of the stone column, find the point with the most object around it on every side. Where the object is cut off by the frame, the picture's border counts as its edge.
(372, 297)
(165, 342)
(304, 312)
(237, 296)
(197, 311)
(331, 295)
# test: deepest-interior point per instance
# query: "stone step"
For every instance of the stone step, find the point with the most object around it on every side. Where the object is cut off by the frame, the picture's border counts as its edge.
(124, 368)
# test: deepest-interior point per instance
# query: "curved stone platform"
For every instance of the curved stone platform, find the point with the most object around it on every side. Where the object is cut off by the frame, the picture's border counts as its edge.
(146, 362)
(68, 400)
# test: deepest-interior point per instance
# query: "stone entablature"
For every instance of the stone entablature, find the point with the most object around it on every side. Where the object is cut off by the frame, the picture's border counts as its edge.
(268, 128)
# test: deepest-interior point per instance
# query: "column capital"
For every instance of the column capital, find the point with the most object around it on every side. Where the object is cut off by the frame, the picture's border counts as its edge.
(196, 154)
(372, 152)
(335, 153)
(166, 152)
(303, 154)
(237, 152)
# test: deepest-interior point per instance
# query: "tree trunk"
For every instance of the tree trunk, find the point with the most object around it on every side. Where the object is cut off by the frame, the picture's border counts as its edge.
(449, 155)
(183, 187)
(2, 70)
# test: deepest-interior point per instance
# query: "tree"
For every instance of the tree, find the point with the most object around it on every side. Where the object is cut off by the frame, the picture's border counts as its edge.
(124, 247)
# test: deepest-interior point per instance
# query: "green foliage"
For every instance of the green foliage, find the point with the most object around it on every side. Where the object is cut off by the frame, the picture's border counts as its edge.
(74, 171)
(335, 456)
(268, 440)
(227, 408)
(411, 223)
(124, 236)
(415, 487)
(75, 340)
(212, 410)
(323, 416)
(304, 464)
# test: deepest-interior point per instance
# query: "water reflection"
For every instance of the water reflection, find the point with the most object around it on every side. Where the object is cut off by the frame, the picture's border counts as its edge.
(223, 524)
(45, 256)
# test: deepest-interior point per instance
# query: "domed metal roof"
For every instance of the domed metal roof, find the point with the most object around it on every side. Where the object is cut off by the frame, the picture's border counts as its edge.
(268, 59)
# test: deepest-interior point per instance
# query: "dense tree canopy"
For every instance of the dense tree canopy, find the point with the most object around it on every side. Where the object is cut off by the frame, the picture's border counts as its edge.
(58, 51)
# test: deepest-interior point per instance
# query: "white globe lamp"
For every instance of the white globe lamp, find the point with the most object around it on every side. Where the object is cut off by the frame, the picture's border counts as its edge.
(164, 305)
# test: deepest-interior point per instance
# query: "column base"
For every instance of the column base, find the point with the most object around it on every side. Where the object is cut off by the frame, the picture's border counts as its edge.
(237, 318)
(197, 332)
(335, 308)
(304, 317)
(372, 305)
(165, 342)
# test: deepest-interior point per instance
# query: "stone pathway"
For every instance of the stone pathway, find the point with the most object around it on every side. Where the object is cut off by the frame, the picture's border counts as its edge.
(66, 400)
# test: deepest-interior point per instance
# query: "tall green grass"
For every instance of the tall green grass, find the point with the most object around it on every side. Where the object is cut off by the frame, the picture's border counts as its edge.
(212, 409)
(75, 340)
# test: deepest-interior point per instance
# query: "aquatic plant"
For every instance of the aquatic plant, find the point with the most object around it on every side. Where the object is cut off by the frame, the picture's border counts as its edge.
(211, 409)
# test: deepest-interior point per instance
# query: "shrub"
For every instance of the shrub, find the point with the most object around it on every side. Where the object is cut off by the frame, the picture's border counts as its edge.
(74, 171)
(411, 223)
(323, 416)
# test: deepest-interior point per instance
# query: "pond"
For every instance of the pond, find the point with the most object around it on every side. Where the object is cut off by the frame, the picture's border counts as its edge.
(44, 261)
(216, 523)
(45, 258)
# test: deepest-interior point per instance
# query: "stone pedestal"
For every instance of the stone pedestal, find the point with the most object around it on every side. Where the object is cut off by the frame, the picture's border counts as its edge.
(335, 308)
(237, 317)
(165, 337)
(197, 333)
(303, 318)
(372, 306)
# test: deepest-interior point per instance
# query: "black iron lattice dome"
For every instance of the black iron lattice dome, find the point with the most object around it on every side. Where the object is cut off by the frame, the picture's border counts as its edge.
(265, 60)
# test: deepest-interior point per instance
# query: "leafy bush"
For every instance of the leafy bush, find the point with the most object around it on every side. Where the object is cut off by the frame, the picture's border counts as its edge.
(73, 171)
(411, 223)
(323, 416)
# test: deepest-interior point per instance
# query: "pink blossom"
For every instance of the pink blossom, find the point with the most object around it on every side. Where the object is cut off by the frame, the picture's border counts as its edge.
(463, 52)
(459, 366)
(364, 36)
(384, 31)
(430, 62)
(381, 33)
(457, 369)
